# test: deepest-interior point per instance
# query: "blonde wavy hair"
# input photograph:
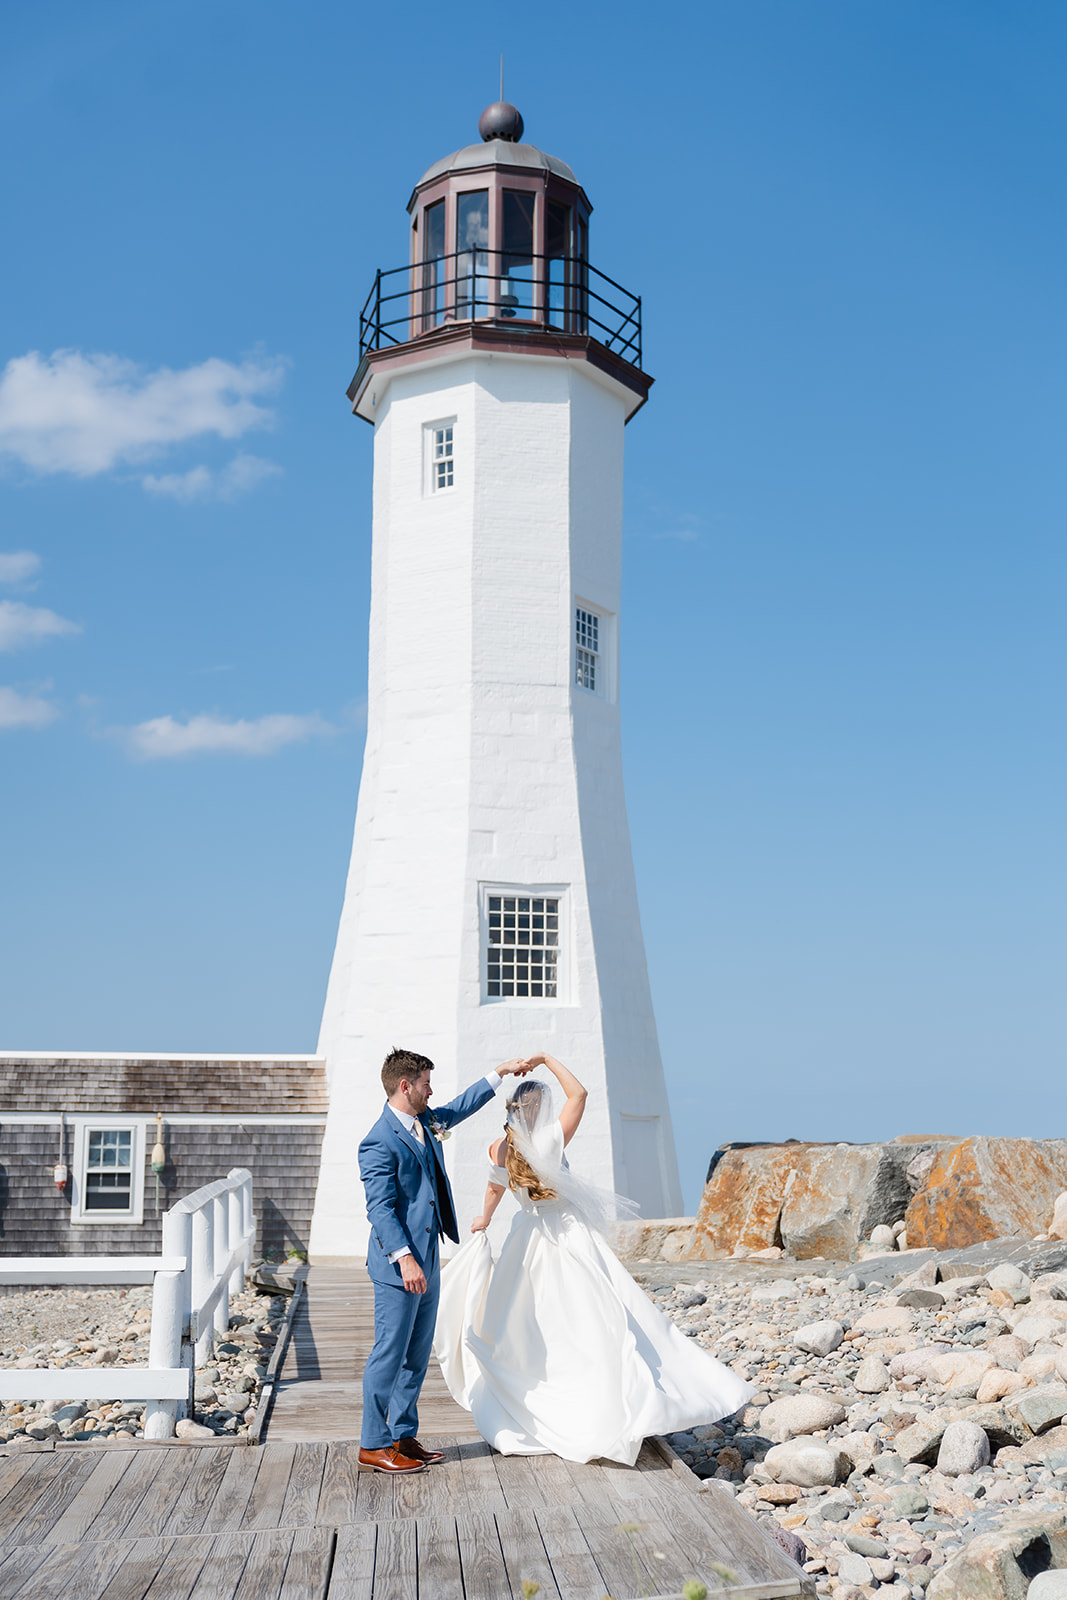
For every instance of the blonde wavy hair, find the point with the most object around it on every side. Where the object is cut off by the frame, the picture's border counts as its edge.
(520, 1173)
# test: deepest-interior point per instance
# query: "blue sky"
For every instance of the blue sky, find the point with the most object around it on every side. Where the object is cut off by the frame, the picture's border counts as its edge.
(843, 626)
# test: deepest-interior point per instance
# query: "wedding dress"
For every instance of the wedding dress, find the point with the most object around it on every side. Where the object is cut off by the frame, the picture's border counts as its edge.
(554, 1349)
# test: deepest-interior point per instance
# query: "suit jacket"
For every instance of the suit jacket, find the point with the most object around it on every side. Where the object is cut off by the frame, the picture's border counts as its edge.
(409, 1197)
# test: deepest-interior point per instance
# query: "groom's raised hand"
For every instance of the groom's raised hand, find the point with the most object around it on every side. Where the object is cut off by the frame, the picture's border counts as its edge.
(518, 1067)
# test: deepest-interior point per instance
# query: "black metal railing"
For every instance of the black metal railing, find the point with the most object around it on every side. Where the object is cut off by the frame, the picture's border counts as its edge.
(560, 293)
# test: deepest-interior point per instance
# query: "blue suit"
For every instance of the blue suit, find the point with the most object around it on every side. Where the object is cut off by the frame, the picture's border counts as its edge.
(409, 1202)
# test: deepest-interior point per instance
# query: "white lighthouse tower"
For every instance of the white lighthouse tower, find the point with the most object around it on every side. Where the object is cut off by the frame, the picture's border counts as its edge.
(490, 909)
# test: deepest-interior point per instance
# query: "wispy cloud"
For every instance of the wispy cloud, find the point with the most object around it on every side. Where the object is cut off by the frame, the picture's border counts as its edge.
(24, 710)
(22, 625)
(86, 414)
(244, 472)
(18, 566)
(168, 739)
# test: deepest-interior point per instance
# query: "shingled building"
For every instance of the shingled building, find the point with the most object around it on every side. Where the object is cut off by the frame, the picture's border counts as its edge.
(98, 1117)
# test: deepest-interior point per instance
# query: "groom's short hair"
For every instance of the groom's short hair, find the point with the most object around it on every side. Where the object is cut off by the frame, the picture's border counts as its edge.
(401, 1064)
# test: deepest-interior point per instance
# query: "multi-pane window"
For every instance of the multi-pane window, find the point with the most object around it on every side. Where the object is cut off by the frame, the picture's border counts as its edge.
(586, 648)
(522, 955)
(109, 1170)
(441, 457)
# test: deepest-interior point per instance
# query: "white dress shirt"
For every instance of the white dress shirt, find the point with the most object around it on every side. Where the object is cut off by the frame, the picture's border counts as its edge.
(413, 1126)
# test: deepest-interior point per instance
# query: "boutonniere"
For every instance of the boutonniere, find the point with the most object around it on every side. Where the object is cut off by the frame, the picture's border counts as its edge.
(439, 1133)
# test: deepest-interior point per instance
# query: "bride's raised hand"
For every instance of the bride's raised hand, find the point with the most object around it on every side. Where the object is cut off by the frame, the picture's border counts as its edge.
(517, 1067)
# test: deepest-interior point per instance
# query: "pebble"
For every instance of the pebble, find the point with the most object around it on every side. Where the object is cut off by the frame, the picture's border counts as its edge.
(934, 1458)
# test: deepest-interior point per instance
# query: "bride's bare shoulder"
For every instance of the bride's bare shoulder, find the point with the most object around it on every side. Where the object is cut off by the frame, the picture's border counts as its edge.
(496, 1152)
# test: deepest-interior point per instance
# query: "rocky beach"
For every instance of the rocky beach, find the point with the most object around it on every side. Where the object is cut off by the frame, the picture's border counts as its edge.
(907, 1437)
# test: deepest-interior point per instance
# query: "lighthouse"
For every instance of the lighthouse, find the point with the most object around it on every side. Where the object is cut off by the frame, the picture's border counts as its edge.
(490, 908)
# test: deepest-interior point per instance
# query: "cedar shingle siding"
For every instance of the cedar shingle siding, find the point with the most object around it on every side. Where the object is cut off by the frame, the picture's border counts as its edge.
(283, 1158)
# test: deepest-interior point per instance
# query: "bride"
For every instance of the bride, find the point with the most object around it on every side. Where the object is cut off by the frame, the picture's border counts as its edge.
(554, 1349)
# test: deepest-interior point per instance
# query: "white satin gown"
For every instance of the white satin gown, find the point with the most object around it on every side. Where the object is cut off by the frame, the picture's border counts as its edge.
(555, 1350)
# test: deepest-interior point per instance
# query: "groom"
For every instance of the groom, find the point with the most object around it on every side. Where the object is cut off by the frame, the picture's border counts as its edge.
(409, 1204)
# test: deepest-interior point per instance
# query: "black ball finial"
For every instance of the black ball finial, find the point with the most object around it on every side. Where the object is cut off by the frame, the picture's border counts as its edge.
(501, 121)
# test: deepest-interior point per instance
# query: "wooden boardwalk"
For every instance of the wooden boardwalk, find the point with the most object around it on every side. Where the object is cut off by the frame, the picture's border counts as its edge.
(294, 1519)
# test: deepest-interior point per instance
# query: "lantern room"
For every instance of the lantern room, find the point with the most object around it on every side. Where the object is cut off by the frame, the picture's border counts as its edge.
(500, 230)
(499, 251)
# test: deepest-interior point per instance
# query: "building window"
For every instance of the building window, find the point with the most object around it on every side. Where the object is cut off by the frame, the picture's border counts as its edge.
(440, 459)
(587, 673)
(522, 948)
(108, 1174)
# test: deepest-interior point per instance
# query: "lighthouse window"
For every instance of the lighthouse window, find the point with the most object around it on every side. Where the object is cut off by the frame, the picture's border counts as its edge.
(441, 458)
(522, 950)
(433, 270)
(516, 281)
(472, 259)
(586, 649)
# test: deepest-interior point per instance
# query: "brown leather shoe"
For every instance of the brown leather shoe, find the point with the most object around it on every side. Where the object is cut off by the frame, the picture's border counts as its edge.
(389, 1459)
(413, 1451)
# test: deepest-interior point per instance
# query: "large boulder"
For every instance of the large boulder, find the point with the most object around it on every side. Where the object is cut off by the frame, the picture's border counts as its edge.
(987, 1188)
(999, 1565)
(808, 1199)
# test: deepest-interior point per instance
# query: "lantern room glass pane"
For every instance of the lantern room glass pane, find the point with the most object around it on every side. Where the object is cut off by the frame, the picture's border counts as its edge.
(472, 254)
(433, 269)
(517, 260)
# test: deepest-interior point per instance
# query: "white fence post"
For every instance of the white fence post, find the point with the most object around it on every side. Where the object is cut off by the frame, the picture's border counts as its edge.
(236, 1232)
(221, 1213)
(203, 1273)
(165, 1347)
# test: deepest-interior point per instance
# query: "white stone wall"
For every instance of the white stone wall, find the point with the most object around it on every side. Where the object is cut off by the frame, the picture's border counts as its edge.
(485, 765)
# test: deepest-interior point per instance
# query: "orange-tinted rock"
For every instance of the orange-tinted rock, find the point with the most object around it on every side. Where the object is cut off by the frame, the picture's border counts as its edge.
(987, 1188)
(811, 1199)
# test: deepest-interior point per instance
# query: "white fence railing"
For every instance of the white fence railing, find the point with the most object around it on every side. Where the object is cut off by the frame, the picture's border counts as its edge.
(207, 1247)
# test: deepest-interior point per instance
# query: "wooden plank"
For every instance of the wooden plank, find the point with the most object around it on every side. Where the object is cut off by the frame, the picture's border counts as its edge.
(524, 1553)
(352, 1577)
(589, 1484)
(484, 1574)
(153, 1511)
(19, 1565)
(396, 1561)
(182, 1566)
(340, 1486)
(12, 1470)
(481, 1486)
(55, 1493)
(375, 1499)
(138, 1481)
(439, 1569)
(268, 1492)
(75, 1571)
(74, 1522)
(232, 1499)
(519, 1482)
(223, 1565)
(199, 1492)
(573, 1567)
(142, 1562)
(752, 1553)
(264, 1572)
(308, 1572)
(305, 1483)
(33, 1482)
(645, 1530)
(418, 1495)
(615, 1551)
